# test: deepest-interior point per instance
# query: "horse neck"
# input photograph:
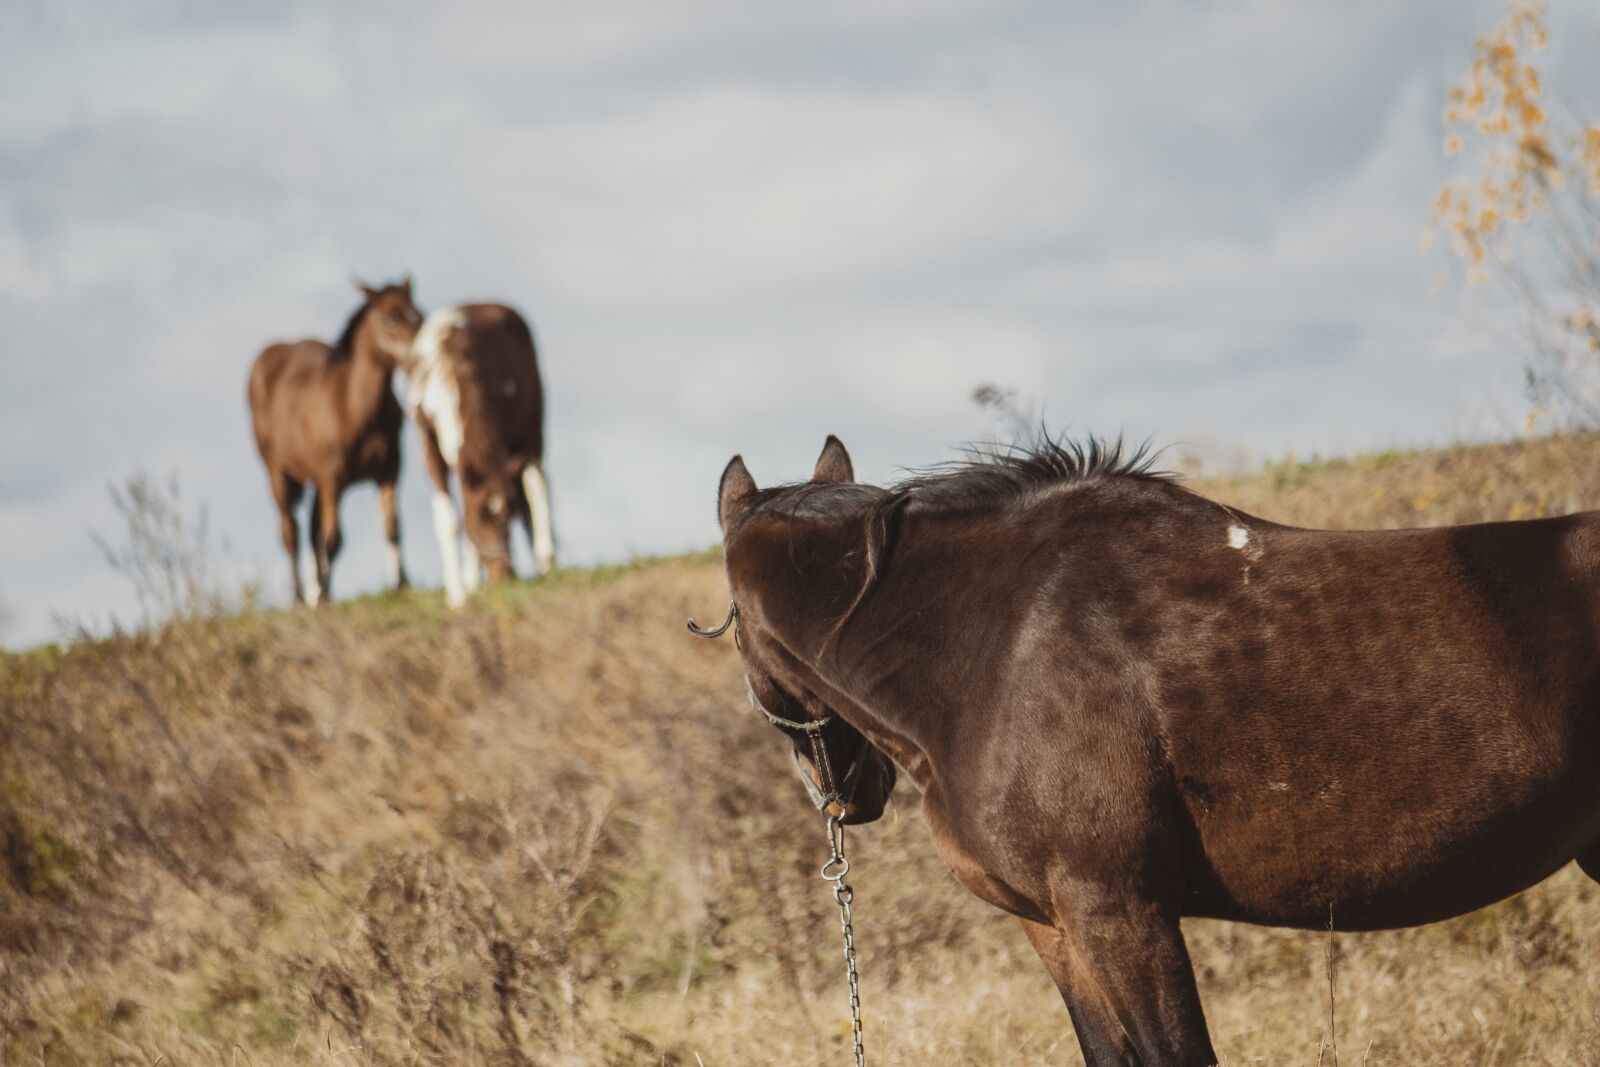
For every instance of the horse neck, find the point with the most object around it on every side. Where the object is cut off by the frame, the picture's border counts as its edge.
(843, 642)
(480, 444)
(366, 382)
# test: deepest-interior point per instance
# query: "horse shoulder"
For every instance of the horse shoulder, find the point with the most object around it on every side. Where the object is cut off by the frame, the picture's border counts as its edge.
(969, 865)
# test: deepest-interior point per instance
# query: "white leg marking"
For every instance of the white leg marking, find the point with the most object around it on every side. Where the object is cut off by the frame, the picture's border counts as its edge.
(395, 569)
(314, 593)
(538, 492)
(447, 528)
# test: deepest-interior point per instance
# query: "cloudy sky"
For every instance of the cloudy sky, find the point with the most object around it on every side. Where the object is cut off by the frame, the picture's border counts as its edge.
(735, 227)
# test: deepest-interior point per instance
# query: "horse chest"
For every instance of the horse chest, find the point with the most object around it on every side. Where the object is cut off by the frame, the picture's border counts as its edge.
(970, 869)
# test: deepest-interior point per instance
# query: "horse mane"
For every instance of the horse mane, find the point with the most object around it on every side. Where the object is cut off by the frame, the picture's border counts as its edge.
(988, 475)
(993, 473)
(343, 347)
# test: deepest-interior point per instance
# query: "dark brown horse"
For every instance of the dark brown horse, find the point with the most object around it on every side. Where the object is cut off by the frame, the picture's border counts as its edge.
(326, 417)
(478, 401)
(1125, 703)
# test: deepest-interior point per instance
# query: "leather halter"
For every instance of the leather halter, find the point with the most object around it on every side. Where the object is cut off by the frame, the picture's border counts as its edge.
(827, 789)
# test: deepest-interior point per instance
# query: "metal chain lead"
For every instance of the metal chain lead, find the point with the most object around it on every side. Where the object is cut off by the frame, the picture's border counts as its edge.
(834, 871)
(829, 792)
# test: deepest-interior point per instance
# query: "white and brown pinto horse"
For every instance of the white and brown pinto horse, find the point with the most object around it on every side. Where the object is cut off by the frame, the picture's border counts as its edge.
(477, 399)
(325, 416)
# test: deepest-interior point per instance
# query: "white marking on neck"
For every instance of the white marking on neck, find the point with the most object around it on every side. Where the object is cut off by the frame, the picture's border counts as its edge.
(432, 387)
(1238, 537)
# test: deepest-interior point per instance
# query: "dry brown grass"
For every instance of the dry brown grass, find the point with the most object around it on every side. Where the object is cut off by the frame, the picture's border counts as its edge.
(545, 831)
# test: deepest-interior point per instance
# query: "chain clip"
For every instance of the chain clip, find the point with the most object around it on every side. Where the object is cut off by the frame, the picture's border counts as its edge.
(834, 871)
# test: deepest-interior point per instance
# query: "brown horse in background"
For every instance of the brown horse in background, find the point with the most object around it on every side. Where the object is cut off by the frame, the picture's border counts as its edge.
(326, 417)
(1125, 703)
(478, 401)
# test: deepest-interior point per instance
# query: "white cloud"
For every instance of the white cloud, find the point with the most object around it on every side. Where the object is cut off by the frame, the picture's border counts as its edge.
(735, 228)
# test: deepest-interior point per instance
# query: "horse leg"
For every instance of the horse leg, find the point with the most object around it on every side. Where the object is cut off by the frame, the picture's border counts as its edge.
(1094, 1039)
(1125, 975)
(314, 592)
(286, 494)
(325, 520)
(471, 565)
(391, 533)
(446, 523)
(537, 489)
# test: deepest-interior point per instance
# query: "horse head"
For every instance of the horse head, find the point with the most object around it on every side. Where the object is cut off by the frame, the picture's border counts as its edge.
(491, 495)
(391, 320)
(845, 774)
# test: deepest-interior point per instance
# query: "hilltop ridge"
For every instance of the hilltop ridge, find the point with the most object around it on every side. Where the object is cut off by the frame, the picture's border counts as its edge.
(544, 830)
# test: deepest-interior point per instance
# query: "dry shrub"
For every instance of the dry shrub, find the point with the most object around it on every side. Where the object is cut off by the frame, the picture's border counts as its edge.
(546, 830)
(166, 554)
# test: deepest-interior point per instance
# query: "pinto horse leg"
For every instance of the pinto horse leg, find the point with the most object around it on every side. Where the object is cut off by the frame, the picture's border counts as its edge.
(447, 528)
(471, 565)
(446, 523)
(391, 533)
(537, 489)
(1129, 987)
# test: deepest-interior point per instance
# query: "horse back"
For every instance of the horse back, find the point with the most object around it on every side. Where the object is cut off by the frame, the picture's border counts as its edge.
(1394, 726)
(491, 351)
(1400, 725)
(507, 365)
(279, 372)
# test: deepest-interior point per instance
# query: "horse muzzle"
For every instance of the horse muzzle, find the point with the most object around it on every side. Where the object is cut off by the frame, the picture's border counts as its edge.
(860, 797)
(498, 568)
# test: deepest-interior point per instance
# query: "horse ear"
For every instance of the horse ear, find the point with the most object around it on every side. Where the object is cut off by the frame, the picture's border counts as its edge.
(734, 492)
(405, 283)
(834, 464)
(366, 290)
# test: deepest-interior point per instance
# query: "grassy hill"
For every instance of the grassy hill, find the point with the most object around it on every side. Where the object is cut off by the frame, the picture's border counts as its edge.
(545, 830)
